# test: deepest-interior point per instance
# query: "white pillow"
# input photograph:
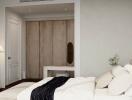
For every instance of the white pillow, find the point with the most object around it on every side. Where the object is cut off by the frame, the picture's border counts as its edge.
(128, 68)
(120, 84)
(104, 80)
(119, 70)
(129, 92)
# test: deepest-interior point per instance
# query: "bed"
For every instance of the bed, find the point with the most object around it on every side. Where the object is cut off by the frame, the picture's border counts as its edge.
(75, 89)
(102, 94)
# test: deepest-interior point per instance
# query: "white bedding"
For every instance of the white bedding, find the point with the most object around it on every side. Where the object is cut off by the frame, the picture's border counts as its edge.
(102, 94)
(11, 93)
(74, 89)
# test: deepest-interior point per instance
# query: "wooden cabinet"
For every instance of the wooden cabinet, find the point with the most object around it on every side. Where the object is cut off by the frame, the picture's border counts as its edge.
(32, 49)
(70, 41)
(47, 45)
(59, 43)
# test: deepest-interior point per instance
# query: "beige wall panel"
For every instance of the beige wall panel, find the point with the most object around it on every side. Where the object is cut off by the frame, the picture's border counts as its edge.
(46, 41)
(70, 34)
(32, 50)
(70, 31)
(59, 43)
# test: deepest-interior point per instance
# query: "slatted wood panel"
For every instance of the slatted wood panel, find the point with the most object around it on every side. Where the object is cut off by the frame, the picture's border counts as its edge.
(59, 43)
(70, 31)
(70, 34)
(46, 43)
(32, 50)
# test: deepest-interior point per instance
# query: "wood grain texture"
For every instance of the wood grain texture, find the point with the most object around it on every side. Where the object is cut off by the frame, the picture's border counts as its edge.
(32, 41)
(70, 36)
(70, 31)
(46, 44)
(59, 43)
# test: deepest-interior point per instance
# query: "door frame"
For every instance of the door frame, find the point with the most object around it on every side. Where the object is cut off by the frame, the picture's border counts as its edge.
(15, 20)
(77, 38)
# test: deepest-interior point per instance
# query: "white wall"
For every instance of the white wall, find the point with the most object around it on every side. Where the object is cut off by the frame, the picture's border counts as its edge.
(106, 29)
(77, 37)
(2, 43)
(23, 50)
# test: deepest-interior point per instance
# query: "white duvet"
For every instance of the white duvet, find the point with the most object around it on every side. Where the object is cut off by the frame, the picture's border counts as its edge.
(102, 94)
(75, 89)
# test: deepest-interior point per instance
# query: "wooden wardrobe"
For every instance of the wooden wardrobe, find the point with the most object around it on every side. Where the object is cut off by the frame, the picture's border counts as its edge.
(46, 44)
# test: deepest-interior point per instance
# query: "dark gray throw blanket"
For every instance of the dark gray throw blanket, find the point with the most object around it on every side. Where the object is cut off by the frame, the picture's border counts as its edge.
(46, 91)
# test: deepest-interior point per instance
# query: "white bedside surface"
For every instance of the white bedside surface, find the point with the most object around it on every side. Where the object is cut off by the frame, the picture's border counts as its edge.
(56, 68)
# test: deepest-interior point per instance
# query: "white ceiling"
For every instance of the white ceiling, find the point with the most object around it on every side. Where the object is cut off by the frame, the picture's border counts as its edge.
(43, 9)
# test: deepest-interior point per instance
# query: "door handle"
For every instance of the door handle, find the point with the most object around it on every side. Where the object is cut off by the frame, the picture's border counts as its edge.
(9, 58)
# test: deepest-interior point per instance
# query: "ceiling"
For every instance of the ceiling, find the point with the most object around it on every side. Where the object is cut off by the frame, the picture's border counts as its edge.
(43, 9)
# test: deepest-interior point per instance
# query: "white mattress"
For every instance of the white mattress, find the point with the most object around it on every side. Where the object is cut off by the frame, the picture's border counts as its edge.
(74, 89)
(102, 94)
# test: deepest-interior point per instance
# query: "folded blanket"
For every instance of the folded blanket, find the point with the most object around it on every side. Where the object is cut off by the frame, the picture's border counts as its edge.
(46, 91)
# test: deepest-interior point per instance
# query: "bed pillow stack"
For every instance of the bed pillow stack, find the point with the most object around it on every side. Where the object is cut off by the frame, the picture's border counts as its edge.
(118, 80)
(104, 80)
(118, 71)
(122, 80)
(129, 69)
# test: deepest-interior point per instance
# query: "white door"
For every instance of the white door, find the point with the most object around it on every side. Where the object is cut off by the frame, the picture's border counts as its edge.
(13, 51)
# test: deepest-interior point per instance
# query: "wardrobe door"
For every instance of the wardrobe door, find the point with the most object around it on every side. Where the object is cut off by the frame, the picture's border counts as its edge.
(46, 41)
(70, 31)
(59, 43)
(70, 42)
(32, 49)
